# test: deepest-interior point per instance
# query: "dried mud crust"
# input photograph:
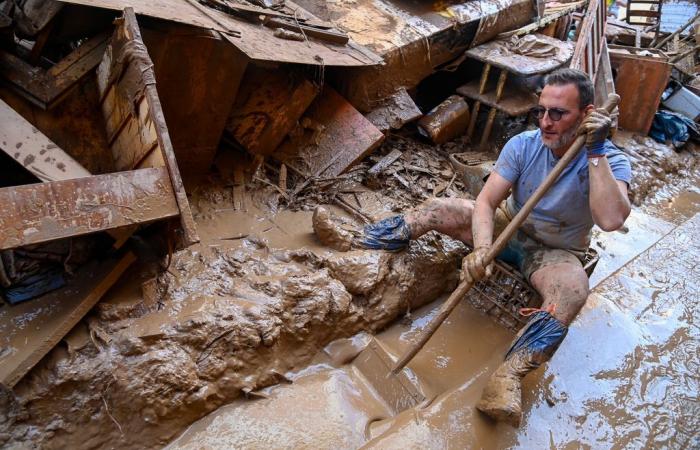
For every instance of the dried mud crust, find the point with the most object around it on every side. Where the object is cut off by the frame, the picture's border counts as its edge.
(225, 323)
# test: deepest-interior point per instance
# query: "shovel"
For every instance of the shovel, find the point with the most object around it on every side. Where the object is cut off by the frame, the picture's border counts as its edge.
(394, 385)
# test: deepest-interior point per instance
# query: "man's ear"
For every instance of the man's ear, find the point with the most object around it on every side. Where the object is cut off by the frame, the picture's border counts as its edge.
(588, 109)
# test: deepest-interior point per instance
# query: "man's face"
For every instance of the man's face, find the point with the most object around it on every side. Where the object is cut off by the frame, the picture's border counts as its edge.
(561, 133)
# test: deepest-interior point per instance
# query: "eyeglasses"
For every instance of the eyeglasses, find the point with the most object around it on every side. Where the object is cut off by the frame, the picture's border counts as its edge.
(555, 114)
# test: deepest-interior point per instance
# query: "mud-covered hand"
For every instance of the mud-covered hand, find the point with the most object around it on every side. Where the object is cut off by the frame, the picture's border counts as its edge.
(596, 127)
(473, 267)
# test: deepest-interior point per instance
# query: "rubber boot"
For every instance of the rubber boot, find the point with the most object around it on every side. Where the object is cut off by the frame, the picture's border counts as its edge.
(391, 234)
(534, 345)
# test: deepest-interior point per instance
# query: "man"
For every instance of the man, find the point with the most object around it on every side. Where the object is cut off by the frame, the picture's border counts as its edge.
(549, 247)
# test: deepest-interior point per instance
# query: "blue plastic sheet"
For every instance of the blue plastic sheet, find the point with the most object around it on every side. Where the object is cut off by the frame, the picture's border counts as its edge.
(676, 128)
(391, 234)
(542, 335)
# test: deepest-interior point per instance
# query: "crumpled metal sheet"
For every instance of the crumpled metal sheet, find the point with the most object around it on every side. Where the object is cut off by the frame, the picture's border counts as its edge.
(255, 40)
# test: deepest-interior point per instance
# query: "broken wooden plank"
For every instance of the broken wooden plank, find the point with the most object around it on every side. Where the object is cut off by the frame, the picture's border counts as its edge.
(46, 88)
(394, 112)
(44, 212)
(33, 150)
(268, 106)
(336, 136)
(29, 330)
(383, 163)
(135, 120)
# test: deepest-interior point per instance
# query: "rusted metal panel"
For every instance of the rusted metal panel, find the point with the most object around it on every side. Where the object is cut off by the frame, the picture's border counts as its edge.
(197, 97)
(29, 330)
(640, 82)
(44, 212)
(255, 40)
(335, 137)
(268, 106)
(133, 113)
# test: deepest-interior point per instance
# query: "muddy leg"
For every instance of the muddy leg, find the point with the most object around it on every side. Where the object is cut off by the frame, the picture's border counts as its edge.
(450, 216)
(564, 285)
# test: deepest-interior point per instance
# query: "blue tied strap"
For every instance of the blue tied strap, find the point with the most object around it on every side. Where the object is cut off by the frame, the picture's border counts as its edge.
(541, 336)
(391, 234)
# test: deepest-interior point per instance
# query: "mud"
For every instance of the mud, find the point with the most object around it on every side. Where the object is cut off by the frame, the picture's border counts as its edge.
(219, 323)
(655, 165)
(625, 377)
(233, 320)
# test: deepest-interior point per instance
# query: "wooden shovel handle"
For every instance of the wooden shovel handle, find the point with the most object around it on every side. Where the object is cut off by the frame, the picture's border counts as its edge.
(499, 244)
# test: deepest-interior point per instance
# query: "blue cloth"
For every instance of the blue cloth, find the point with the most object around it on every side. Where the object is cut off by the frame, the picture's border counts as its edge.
(562, 218)
(541, 336)
(669, 126)
(391, 234)
(34, 286)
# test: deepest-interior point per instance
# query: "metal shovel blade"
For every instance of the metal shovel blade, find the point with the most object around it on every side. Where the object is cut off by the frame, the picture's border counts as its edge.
(398, 391)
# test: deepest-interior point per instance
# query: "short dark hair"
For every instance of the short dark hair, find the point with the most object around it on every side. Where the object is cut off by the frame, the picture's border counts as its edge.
(561, 77)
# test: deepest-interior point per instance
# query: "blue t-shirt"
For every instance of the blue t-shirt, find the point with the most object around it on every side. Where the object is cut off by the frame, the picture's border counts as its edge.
(562, 218)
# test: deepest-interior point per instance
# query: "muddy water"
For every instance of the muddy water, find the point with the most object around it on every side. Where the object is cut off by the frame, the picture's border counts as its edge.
(626, 376)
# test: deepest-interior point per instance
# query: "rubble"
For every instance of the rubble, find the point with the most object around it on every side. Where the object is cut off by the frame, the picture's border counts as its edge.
(187, 142)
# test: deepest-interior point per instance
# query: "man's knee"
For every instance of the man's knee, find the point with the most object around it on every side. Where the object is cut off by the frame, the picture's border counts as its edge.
(564, 285)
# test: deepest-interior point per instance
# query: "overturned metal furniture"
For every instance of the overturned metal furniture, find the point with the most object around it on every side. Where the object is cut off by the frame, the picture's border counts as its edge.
(71, 202)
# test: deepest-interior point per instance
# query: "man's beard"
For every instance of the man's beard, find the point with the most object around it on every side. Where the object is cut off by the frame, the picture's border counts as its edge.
(566, 139)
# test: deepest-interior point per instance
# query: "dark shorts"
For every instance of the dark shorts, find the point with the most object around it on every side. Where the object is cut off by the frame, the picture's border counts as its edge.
(529, 255)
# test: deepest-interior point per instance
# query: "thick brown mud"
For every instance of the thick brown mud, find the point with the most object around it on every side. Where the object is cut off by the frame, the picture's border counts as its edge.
(222, 321)
(237, 318)
(625, 377)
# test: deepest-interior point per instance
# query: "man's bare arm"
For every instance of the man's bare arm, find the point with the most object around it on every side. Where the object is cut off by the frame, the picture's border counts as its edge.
(493, 193)
(607, 198)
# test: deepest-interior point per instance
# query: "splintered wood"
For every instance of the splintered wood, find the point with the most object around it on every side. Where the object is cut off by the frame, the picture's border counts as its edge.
(333, 137)
(269, 104)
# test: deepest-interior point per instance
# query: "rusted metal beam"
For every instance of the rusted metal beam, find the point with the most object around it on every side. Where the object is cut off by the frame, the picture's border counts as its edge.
(44, 212)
